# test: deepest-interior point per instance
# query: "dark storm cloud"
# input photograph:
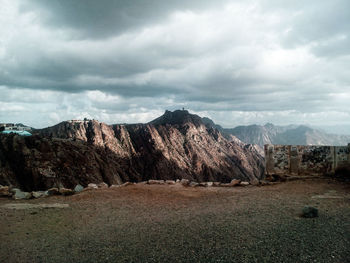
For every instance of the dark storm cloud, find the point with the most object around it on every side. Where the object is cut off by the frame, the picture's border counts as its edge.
(106, 18)
(99, 58)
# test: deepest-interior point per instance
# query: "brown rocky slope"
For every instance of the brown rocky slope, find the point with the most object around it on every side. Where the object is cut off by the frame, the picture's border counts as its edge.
(174, 146)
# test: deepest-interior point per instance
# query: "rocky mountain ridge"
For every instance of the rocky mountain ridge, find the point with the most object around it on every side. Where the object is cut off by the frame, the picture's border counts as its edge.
(174, 146)
(288, 135)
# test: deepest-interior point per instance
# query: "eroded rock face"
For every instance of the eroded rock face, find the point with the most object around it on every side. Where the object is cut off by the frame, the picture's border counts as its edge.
(177, 145)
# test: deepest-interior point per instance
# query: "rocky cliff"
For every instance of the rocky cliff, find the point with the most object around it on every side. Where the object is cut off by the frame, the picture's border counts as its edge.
(176, 145)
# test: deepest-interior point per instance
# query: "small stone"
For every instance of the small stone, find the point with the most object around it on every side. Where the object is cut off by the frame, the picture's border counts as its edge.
(78, 188)
(66, 191)
(127, 183)
(254, 182)
(53, 191)
(194, 184)
(5, 191)
(115, 186)
(235, 182)
(244, 184)
(309, 212)
(170, 182)
(177, 181)
(155, 181)
(38, 194)
(216, 183)
(21, 195)
(203, 184)
(264, 182)
(185, 182)
(102, 185)
(143, 182)
(93, 186)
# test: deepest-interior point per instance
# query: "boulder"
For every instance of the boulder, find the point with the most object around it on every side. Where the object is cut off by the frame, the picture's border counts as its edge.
(102, 185)
(235, 182)
(156, 182)
(93, 186)
(5, 191)
(78, 188)
(66, 191)
(193, 184)
(309, 212)
(18, 194)
(185, 182)
(244, 184)
(38, 194)
(53, 191)
(170, 182)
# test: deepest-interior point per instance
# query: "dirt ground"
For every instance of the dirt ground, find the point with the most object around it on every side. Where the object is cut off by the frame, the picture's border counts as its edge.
(162, 223)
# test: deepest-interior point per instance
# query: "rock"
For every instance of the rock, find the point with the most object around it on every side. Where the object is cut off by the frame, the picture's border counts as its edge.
(38, 194)
(264, 182)
(93, 186)
(88, 188)
(185, 182)
(66, 191)
(115, 186)
(170, 182)
(216, 183)
(254, 182)
(5, 191)
(53, 191)
(126, 184)
(203, 184)
(177, 181)
(156, 182)
(194, 184)
(235, 182)
(244, 184)
(309, 212)
(143, 182)
(78, 188)
(21, 195)
(102, 185)
(226, 185)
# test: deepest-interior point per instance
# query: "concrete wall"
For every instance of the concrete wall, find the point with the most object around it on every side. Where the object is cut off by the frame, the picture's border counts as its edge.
(305, 160)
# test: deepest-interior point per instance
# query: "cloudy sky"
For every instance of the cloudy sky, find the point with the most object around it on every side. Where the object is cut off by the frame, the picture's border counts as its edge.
(237, 62)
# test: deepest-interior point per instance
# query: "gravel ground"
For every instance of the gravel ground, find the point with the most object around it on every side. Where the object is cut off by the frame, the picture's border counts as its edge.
(162, 223)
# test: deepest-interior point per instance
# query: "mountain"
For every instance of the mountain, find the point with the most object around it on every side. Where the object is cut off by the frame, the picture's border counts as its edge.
(290, 135)
(176, 145)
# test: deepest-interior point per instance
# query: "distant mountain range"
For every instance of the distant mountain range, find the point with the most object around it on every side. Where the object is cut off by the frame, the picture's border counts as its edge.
(290, 135)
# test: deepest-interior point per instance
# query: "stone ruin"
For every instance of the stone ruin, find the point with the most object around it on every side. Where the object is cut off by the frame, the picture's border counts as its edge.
(301, 160)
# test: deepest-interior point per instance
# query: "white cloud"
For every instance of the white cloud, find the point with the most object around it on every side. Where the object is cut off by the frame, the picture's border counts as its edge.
(240, 62)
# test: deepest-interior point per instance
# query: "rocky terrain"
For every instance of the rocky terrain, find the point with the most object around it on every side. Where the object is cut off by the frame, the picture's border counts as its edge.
(171, 223)
(289, 135)
(174, 146)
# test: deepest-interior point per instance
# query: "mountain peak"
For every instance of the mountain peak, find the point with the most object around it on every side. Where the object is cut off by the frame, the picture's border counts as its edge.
(177, 117)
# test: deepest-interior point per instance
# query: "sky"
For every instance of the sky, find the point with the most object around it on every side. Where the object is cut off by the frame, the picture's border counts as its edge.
(123, 61)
